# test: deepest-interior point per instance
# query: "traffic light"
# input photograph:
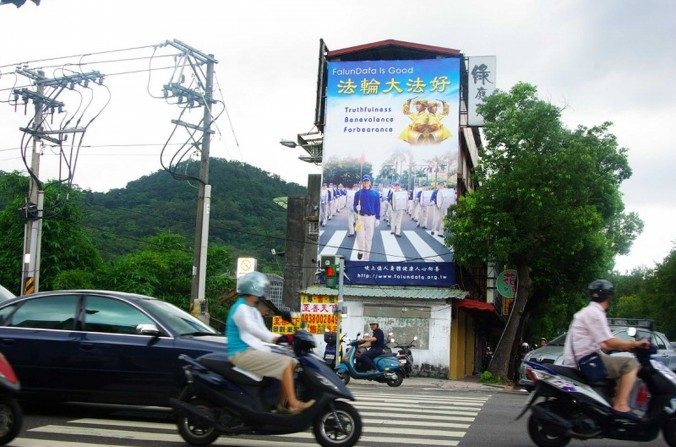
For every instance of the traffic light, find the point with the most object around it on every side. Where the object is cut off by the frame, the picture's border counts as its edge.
(331, 275)
(331, 269)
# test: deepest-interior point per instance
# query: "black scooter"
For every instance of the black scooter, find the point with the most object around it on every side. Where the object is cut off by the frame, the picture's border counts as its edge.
(11, 416)
(572, 408)
(405, 357)
(219, 398)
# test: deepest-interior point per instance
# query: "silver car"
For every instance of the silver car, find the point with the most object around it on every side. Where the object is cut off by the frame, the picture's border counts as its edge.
(553, 352)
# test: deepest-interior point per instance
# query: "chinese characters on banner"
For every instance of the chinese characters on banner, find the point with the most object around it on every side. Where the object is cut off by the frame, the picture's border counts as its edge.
(317, 312)
(481, 83)
(396, 121)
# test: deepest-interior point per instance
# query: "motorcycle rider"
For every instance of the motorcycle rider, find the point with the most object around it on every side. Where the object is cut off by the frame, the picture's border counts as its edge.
(589, 332)
(247, 333)
(377, 340)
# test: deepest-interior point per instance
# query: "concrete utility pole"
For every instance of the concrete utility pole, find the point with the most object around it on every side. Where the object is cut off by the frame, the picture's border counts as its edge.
(32, 241)
(192, 59)
(44, 105)
(198, 302)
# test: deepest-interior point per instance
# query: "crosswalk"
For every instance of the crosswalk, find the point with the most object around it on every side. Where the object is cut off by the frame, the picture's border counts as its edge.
(415, 244)
(396, 418)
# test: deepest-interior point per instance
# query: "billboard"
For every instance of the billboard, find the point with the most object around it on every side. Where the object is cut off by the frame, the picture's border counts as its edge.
(481, 84)
(395, 124)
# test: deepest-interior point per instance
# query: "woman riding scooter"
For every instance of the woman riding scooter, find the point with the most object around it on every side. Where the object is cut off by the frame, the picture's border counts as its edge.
(246, 336)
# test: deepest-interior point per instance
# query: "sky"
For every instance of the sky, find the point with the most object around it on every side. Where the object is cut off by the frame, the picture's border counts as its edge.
(600, 61)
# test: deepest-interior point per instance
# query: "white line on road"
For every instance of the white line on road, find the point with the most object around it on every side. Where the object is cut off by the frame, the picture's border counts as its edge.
(391, 247)
(426, 253)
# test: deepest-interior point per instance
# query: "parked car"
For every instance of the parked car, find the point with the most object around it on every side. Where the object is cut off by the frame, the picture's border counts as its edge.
(553, 351)
(100, 346)
(5, 294)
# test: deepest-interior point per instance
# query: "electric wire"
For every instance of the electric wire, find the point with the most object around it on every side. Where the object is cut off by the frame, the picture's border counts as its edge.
(76, 55)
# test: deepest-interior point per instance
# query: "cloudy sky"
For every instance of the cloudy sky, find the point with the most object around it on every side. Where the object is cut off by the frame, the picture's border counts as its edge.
(602, 60)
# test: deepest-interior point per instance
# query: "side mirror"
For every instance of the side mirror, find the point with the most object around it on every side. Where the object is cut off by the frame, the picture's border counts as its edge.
(632, 332)
(147, 329)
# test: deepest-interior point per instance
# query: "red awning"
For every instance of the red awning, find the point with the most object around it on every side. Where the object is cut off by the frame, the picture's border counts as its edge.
(476, 305)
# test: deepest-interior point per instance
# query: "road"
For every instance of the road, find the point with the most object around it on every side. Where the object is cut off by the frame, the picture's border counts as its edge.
(405, 416)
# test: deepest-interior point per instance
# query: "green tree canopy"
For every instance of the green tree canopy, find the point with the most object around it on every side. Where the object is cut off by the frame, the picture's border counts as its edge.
(548, 203)
(66, 244)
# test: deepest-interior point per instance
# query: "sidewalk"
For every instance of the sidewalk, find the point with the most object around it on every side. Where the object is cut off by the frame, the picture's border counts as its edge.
(455, 385)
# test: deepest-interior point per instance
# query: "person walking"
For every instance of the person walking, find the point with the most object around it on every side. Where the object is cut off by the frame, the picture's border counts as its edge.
(442, 199)
(367, 206)
(399, 202)
(350, 211)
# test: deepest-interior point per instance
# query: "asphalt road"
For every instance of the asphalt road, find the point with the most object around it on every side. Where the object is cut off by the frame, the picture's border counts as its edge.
(495, 426)
(406, 416)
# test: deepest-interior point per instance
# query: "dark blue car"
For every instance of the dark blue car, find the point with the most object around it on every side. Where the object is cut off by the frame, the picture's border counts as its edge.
(100, 346)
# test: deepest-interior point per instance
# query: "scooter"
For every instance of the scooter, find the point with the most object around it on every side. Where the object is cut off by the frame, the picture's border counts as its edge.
(405, 356)
(219, 398)
(572, 408)
(330, 349)
(11, 416)
(388, 369)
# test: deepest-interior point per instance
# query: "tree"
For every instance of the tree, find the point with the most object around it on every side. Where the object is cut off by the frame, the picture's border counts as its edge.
(66, 243)
(548, 204)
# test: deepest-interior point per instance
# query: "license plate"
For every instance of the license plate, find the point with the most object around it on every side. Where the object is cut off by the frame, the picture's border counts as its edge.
(330, 356)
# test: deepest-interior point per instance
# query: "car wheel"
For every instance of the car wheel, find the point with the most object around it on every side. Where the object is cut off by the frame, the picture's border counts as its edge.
(196, 432)
(543, 435)
(11, 419)
(338, 427)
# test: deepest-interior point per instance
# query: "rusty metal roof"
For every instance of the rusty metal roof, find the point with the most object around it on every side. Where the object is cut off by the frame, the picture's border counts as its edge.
(416, 293)
(391, 49)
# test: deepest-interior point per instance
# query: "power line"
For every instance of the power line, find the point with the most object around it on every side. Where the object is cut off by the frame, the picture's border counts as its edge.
(76, 55)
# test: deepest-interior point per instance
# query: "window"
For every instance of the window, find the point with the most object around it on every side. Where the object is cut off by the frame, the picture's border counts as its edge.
(405, 322)
(113, 316)
(659, 341)
(49, 312)
(6, 312)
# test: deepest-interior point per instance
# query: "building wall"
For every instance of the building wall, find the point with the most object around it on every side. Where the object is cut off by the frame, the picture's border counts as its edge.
(433, 359)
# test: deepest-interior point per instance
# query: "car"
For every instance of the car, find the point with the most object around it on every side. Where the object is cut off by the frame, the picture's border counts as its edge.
(100, 346)
(5, 294)
(553, 351)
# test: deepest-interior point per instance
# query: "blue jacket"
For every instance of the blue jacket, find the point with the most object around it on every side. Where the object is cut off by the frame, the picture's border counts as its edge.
(369, 201)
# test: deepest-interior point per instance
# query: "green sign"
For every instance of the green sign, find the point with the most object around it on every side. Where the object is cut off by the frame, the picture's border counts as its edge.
(506, 283)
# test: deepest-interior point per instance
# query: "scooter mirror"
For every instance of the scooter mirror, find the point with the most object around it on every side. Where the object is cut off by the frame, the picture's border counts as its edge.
(391, 340)
(415, 338)
(632, 332)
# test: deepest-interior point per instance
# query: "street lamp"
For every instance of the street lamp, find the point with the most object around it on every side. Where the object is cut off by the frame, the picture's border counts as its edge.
(312, 144)
(288, 143)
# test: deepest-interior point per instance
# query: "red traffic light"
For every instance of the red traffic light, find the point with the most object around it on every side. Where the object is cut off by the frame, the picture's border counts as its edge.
(330, 271)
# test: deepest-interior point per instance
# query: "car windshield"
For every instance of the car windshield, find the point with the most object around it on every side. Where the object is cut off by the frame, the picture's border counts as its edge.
(558, 341)
(179, 321)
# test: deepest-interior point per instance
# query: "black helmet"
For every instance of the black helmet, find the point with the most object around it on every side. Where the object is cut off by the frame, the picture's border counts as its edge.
(600, 290)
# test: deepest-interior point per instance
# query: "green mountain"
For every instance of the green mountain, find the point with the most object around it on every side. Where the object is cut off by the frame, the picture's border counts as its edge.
(243, 214)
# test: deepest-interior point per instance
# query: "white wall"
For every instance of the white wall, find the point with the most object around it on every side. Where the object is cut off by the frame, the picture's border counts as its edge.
(438, 352)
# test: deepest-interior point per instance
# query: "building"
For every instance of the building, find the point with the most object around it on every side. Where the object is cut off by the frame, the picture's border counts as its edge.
(450, 316)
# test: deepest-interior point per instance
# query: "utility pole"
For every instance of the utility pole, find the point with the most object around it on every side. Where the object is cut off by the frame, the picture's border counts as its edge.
(197, 296)
(32, 240)
(32, 211)
(192, 59)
